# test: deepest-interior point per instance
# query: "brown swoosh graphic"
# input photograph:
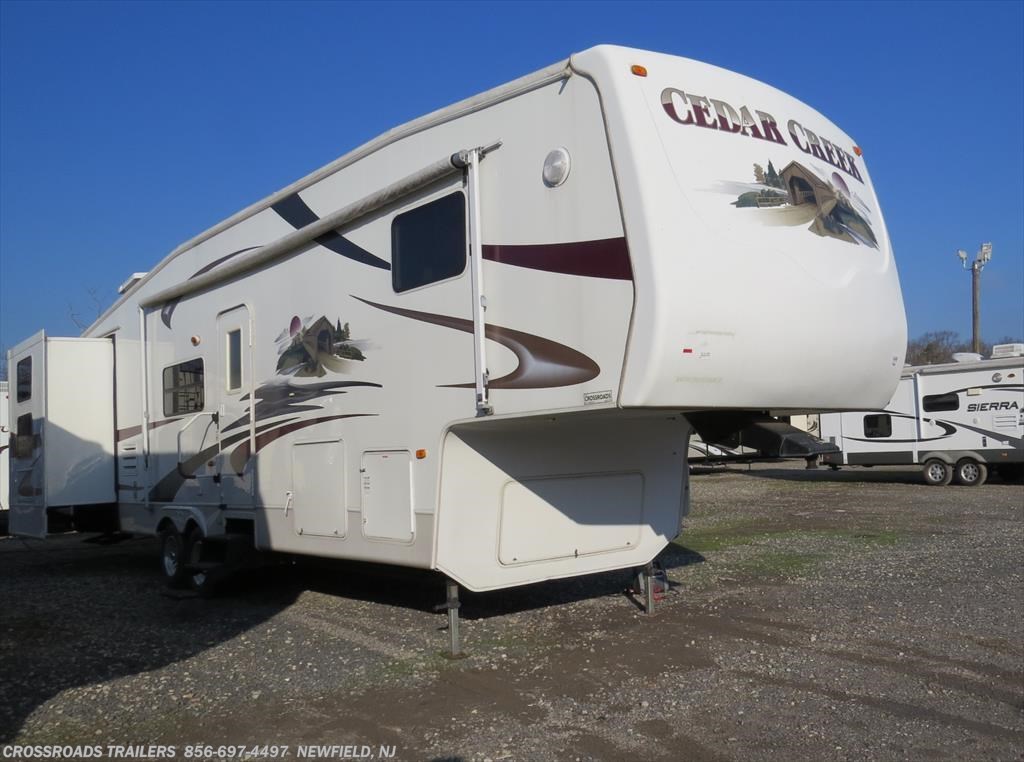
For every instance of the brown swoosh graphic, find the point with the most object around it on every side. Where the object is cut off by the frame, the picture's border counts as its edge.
(134, 431)
(241, 454)
(605, 258)
(542, 363)
(167, 312)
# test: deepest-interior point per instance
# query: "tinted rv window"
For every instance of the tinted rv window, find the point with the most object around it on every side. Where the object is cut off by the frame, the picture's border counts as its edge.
(879, 425)
(428, 243)
(183, 388)
(234, 360)
(936, 402)
(24, 374)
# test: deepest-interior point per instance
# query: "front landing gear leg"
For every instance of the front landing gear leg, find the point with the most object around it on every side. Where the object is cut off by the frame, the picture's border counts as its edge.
(452, 605)
(643, 584)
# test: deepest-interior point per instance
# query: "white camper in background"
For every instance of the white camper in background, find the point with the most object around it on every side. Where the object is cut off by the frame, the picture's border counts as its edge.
(957, 420)
(471, 345)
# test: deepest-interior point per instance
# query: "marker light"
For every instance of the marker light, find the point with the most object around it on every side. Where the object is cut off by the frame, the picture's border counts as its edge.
(856, 150)
(638, 70)
(556, 167)
(421, 454)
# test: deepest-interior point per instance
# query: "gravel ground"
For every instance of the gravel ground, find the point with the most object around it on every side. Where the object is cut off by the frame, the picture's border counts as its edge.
(814, 615)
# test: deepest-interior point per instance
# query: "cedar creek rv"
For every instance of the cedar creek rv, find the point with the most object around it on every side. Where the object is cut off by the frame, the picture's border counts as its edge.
(471, 345)
(957, 420)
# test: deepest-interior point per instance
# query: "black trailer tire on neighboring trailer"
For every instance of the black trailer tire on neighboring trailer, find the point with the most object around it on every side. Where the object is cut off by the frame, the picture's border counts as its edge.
(971, 473)
(172, 556)
(937, 473)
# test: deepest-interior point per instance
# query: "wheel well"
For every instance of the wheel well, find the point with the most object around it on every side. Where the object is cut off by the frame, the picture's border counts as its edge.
(164, 523)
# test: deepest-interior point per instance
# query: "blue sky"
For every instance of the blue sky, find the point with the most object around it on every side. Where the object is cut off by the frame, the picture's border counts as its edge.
(126, 129)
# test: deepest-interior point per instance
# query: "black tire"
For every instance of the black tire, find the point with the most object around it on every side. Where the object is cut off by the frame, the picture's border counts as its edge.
(1010, 472)
(201, 577)
(971, 473)
(937, 473)
(172, 557)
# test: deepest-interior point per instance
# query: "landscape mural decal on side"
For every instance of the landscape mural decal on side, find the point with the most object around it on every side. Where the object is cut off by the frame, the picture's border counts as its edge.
(310, 348)
(798, 196)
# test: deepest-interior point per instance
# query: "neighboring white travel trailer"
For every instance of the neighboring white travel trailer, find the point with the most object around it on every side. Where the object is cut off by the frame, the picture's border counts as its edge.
(957, 420)
(472, 344)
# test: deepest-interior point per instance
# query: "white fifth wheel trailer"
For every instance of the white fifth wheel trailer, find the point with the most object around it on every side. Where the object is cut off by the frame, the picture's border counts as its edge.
(472, 344)
(957, 420)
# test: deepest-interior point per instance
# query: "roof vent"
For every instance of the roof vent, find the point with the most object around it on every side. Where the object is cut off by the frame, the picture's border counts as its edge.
(132, 280)
(1007, 350)
(966, 357)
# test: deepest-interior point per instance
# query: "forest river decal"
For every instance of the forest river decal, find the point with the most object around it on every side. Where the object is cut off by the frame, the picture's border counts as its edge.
(798, 196)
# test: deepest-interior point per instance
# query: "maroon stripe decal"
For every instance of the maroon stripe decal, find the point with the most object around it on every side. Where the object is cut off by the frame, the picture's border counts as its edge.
(542, 363)
(606, 258)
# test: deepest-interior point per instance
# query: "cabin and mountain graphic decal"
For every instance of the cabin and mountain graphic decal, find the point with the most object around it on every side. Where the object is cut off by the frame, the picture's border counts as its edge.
(311, 348)
(797, 195)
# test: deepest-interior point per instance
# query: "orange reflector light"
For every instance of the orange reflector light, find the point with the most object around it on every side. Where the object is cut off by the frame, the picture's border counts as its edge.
(856, 150)
(421, 454)
(640, 71)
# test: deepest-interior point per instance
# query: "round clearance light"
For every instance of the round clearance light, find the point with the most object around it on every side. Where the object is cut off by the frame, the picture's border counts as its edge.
(556, 167)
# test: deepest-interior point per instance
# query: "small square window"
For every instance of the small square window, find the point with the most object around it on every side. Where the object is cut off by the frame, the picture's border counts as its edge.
(183, 388)
(878, 425)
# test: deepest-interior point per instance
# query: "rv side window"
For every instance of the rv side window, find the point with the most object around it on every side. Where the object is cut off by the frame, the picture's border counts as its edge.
(24, 437)
(24, 379)
(933, 403)
(428, 243)
(234, 378)
(878, 425)
(183, 388)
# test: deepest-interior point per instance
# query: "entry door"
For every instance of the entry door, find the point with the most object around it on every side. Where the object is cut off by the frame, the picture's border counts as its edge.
(235, 390)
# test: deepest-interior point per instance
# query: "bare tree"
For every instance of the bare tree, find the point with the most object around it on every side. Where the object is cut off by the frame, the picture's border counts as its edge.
(939, 346)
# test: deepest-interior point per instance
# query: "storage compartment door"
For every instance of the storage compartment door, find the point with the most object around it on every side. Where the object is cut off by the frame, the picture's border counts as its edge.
(318, 488)
(387, 495)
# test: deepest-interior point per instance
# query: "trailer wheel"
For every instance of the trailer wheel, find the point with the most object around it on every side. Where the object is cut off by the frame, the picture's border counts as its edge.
(172, 556)
(202, 574)
(937, 473)
(971, 473)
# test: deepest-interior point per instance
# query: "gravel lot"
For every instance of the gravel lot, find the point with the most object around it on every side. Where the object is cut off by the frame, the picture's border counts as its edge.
(814, 615)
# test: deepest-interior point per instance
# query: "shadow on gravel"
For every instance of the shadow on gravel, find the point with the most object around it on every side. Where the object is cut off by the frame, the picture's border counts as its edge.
(79, 614)
(423, 590)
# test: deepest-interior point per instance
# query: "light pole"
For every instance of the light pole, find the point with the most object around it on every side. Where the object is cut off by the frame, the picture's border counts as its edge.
(980, 260)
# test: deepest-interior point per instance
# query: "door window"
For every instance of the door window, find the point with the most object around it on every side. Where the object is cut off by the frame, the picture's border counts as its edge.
(24, 379)
(234, 348)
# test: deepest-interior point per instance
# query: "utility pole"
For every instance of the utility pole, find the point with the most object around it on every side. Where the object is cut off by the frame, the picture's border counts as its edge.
(980, 260)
